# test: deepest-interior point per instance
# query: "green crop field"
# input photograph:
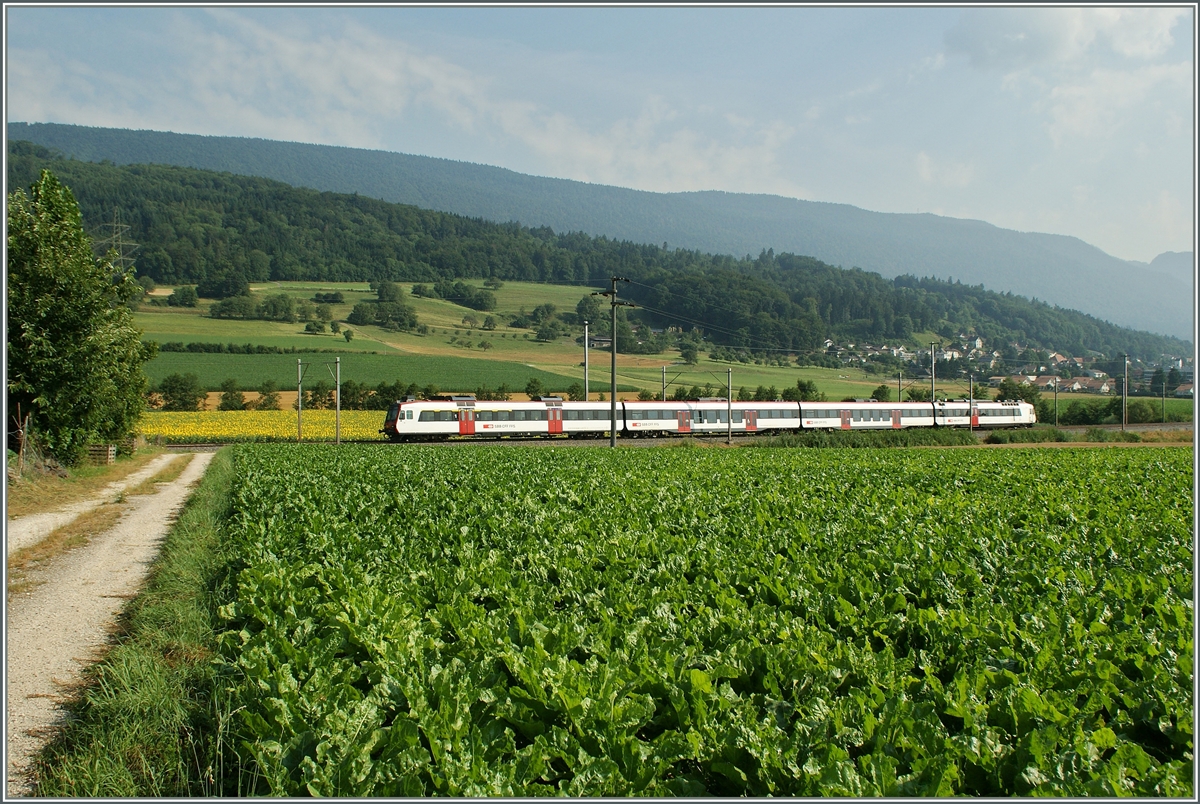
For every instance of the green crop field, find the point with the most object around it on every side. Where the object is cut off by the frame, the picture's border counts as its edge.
(517, 622)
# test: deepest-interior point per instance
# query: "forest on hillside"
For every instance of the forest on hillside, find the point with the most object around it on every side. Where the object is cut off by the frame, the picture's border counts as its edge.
(200, 227)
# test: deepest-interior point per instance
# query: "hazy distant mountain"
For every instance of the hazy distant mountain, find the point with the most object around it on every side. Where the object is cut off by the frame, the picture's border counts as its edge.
(1062, 270)
(1179, 265)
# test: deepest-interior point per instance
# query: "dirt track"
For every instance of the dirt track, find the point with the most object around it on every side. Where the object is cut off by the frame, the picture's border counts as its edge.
(62, 623)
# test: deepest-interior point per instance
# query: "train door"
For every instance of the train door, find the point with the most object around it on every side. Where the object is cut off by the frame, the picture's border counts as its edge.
(896, 419)
(845, 420)
(466, 421)
(751, 421)
(554, 416)
(974, 416)
(685, 421)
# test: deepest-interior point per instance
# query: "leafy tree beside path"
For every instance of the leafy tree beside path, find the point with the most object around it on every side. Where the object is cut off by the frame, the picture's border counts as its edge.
(74, 356)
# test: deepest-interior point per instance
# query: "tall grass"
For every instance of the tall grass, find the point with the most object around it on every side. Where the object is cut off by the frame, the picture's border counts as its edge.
(923, 437)
(150, 717)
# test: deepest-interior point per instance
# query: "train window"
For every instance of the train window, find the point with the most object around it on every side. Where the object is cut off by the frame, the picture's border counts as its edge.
(858, 415)
(737, 417)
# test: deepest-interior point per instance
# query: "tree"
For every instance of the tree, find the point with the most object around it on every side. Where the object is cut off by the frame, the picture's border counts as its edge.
(534, 388)
(918, 394)
(233, 307)
(388, 291)
(882, 394)
(348, 335)
(231, 397)
(489, 322)
(268, 396)
(278, 307)
(181, 392)
(74, 356)
(319, 396)
(183, 297)
(324, 312)
(362, 314)
(335, 327)
(689, 353)
(575, 392)
(588, 309)
(223, 285)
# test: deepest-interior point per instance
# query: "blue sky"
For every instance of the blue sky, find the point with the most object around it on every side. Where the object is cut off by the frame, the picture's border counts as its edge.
(1077, 121)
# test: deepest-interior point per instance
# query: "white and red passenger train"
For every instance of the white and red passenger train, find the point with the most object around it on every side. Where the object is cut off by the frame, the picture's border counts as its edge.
(464, 416)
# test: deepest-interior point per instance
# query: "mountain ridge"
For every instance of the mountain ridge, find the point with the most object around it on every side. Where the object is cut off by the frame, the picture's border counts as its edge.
(1059, 269)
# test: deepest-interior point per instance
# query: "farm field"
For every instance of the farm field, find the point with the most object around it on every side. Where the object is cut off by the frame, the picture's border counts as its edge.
(226, 426)
(414, 621)
(450, 338)
(448, 373)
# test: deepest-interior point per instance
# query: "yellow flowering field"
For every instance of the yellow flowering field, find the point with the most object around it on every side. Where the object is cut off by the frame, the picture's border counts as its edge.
(220, 426)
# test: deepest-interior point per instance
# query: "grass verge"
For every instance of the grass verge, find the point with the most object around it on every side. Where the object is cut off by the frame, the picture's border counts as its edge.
(149, 718)
(1093, 435)
(924, 437)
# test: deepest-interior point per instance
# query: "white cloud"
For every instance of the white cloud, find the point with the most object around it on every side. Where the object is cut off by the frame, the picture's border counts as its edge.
(946, 173)
(1169, 218)
(353, 86)
(1017, 38)
(1096, 104)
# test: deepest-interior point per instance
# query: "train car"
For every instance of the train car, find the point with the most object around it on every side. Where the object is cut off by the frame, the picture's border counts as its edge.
(590, 419)
(413, 420)
(708, 417)
(467, 417)
(865, 414)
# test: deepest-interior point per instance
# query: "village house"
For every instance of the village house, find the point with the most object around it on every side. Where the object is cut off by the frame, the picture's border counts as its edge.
(1094, 385)
(1184, 390)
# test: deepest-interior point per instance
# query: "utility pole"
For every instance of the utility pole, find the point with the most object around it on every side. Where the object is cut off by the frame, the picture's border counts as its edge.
(585, 361)
(729, 407)
(612, 299)
(971, 403)
(336, 371)
(116, 241)
(1164, 398)
(932, 372)
(900, 386)
(664, 399)
(299, 398)
(1056, 401)
(1125, 394)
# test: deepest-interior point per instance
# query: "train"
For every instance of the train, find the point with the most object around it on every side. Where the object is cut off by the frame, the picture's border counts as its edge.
(549, 417)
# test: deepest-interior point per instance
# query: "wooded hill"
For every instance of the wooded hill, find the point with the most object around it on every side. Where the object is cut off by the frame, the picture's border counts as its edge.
(193, 226)
(1060, 270)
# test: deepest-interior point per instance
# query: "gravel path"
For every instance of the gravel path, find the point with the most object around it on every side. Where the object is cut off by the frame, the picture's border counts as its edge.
(28, 530)
(63, 623)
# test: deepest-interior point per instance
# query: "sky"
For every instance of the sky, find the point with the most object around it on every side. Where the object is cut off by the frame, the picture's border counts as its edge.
(1076, 121)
